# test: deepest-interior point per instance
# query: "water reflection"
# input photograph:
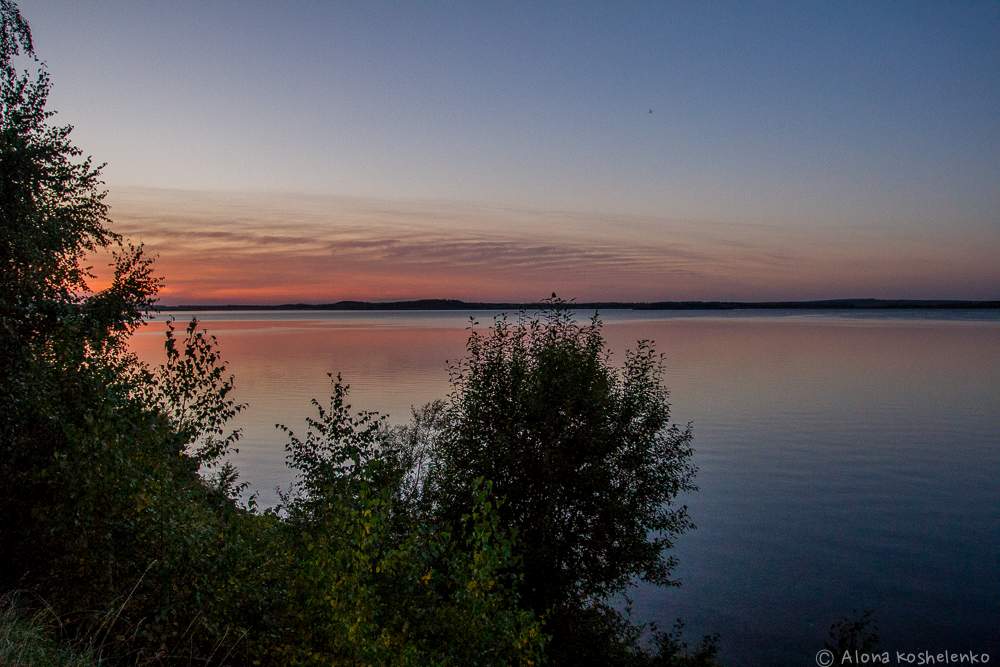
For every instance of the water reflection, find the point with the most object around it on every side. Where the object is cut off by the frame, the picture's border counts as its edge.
(845, 462)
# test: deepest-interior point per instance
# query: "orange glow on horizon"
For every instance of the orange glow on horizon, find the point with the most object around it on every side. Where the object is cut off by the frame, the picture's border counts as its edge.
(271, 249)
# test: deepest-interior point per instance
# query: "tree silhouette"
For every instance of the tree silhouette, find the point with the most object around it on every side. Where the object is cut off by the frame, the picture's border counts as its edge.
(585, 456)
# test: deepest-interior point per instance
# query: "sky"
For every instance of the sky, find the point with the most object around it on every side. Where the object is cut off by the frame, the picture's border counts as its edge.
(315, 151)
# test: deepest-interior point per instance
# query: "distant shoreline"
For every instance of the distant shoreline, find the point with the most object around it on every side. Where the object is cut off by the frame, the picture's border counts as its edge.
(455, 304)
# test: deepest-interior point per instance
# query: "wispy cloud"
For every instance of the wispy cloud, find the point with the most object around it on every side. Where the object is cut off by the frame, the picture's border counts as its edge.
(236, 247)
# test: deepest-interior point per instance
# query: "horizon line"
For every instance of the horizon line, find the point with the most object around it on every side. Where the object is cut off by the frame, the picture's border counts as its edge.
(459, 304)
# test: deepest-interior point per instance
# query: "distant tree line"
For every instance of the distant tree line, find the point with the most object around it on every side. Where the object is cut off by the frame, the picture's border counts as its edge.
(455, 304)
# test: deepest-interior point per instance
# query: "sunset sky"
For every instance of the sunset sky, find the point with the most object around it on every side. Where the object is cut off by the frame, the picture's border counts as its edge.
(312, 151)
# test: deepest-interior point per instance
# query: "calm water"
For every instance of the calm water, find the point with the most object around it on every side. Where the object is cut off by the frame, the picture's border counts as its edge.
(847, 461)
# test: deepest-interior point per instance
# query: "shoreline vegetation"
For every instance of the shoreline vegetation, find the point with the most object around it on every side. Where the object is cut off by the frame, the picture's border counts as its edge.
(503, 525)
(457, 304)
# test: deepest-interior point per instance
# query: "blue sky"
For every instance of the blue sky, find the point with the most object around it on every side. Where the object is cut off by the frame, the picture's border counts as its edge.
(815, 119)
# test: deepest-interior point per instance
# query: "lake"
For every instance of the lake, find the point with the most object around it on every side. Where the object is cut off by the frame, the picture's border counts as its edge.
(847, 460)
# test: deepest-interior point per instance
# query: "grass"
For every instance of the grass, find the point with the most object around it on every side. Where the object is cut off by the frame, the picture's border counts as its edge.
(31, 641)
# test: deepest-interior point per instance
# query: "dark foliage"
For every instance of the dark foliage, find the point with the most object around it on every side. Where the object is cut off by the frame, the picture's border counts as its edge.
(376, 585)
(543, 486)
(119, 509)
(586, 457)
(857, 633)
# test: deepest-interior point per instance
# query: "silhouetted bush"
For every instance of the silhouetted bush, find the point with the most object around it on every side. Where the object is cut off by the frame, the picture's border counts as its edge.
(375, 585)
(588, 463)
